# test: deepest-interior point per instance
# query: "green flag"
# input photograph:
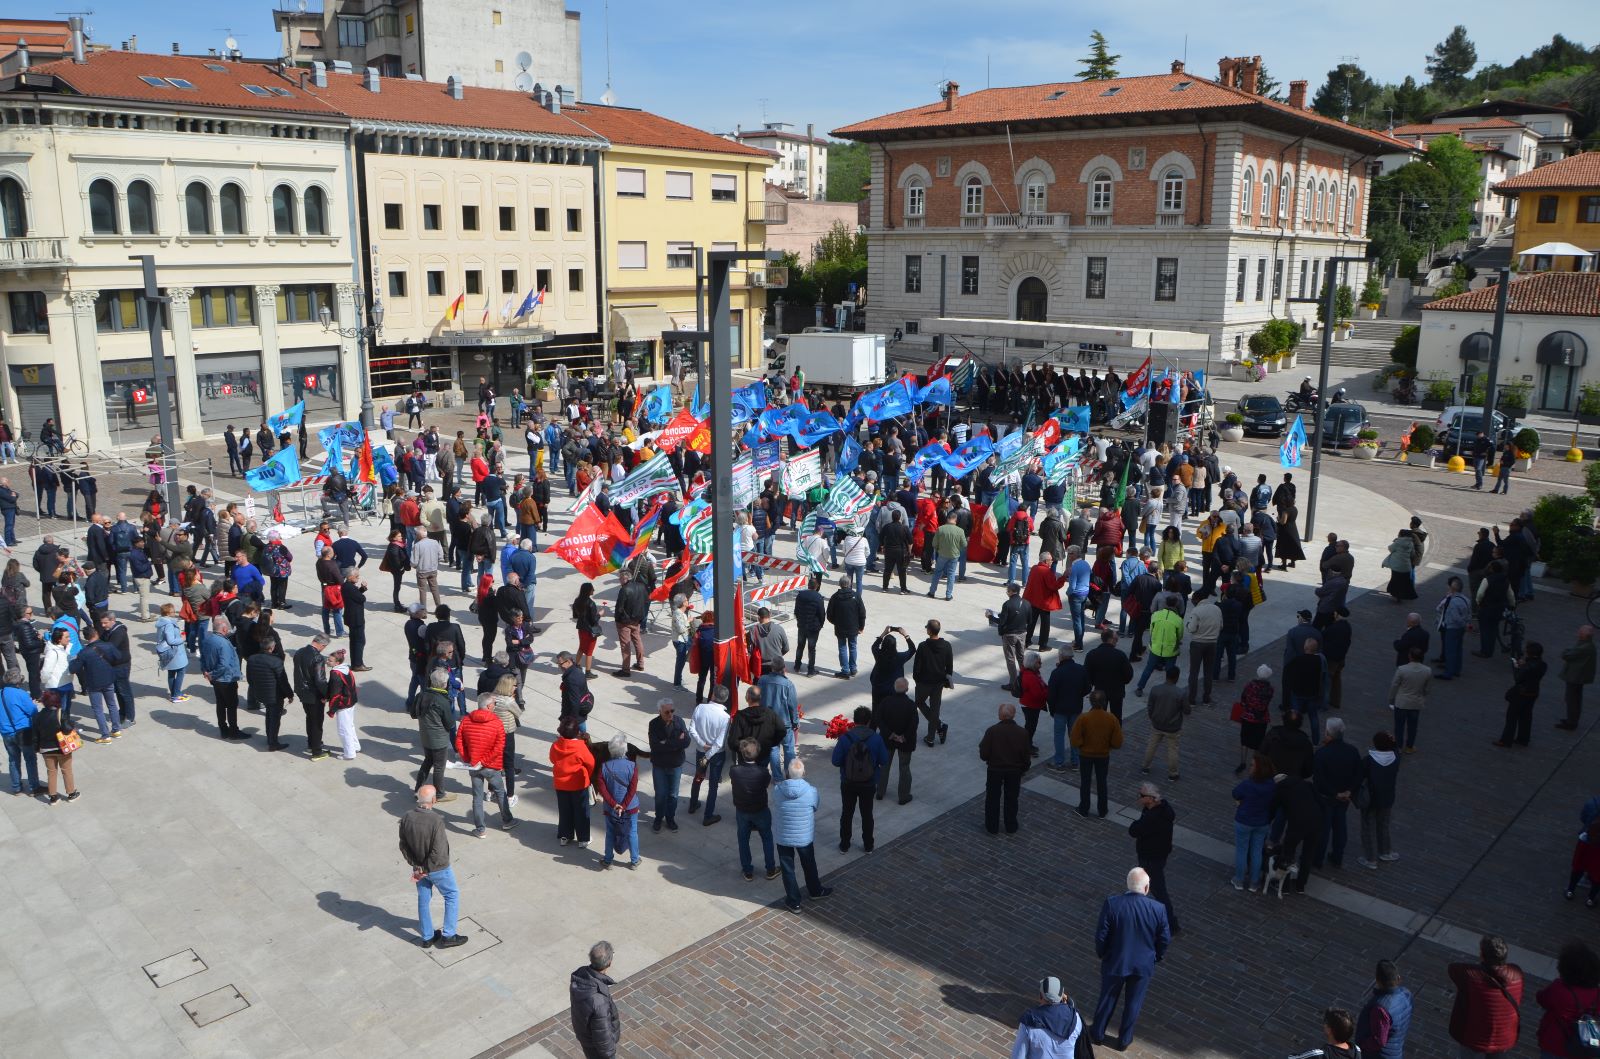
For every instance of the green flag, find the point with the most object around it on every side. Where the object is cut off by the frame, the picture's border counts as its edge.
(1122, 485)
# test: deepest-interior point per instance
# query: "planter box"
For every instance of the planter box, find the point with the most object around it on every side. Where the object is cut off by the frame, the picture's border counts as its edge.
(547, 394)
(1433, 404)
(1365, 452)
(1231, 433)
(1367, 314)
(1525, 464)
(1291, 359)
(1272, 365)
(1589, 419)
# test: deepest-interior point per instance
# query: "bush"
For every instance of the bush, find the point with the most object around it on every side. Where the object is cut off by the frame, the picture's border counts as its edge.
(1513, 397)
(1589, 399)
(1367, 437)
(1565, 527)
(1422, 438)
(1234, 419)
(1262, 345)
(1405, 347)
(1450, 290)
(1441, 390)
(1591, 482)
(1527, 440)
(1279, 335)
(1372, 291)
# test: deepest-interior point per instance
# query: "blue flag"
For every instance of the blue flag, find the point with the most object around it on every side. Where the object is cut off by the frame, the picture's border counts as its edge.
(969, 457)
(930, 454)
(383, 463)
(769, 455)
(751, 438)
(702, 577)
(937, 392)
(698, 408)
(334, 464)
(1075, 418)
(748, 401)
(849, 456)
(349, 435)
(885, 402)
(814, 427)
(289, 417)
(1011, 443)
(781, 422)
(1294, 440)
(658, 405)
(282, 469)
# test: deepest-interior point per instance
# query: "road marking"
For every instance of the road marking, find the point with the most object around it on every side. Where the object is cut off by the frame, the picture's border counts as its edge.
(1458, 518)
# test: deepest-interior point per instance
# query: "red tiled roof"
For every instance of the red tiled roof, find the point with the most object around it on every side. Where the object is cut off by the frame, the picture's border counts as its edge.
(1454, 128)
(1580, 172)
(429, 103)
(1153, 94)
(115, 75)
(1542, 294)
(640, 128)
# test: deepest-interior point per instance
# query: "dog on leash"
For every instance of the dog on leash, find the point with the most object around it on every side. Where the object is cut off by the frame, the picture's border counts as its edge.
(1280, 874)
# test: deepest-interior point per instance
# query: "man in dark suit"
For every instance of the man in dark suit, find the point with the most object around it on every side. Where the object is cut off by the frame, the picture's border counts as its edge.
(1109, 671)
(1415, 636)
(1131, 939)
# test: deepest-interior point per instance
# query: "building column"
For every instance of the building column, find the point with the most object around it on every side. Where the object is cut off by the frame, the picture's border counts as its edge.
(348, 297)
(185, 377)
(91, 389)
(271, 366)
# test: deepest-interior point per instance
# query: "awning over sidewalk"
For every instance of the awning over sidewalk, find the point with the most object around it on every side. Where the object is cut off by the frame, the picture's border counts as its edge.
(639, 323)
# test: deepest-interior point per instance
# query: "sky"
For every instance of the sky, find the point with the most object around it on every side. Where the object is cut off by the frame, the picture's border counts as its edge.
(831, 62)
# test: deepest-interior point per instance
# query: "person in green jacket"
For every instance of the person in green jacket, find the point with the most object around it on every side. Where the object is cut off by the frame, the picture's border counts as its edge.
(432, 709)
(1166, 636)
(1577, 670)
(949, 542)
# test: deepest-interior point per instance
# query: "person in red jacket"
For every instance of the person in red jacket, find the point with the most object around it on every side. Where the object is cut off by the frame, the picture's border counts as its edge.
(1487, 1015)
(1576, 993)
(481, 744)
(571, 771)
(1043, 593)
(1035, 695)
(1108, 531)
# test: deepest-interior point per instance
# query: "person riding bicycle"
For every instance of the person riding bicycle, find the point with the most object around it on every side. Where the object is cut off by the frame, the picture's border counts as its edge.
(50, 437)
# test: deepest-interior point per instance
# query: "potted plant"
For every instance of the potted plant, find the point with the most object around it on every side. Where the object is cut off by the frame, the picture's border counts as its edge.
(1439, 394)
(1421, 444)
(1527, 443)
(1371, 296)
(1366, 445)
(1565, 526)
(1272, 361)
(1234, 431)
(1589, 403)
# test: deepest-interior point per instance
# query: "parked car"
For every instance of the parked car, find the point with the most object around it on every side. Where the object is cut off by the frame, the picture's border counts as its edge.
(1341, 423)
(1458, 425)
(1263, 414)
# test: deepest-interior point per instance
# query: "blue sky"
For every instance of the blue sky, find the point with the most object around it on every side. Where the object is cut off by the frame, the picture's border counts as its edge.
(832, 62)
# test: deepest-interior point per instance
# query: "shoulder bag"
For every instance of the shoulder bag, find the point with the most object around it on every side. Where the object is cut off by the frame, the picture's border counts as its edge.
(69, 740)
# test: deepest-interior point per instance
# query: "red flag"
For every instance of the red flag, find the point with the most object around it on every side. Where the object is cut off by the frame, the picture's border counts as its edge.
(365, 471)
(638, 399)
(588, 543)
(677, 571)
(732, 653)
(678, 430)
(700, 441)
(937, 368)
(1138, 380)
(1049, 432)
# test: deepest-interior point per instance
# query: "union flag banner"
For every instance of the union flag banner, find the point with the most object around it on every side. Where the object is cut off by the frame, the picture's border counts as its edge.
(1138, 380)
(679, 428)
(588, 544)
(700, 440)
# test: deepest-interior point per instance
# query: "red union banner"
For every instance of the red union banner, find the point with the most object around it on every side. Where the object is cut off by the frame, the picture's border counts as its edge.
(1138, 380)
(680, 429)
(588, 543)
(141, 395)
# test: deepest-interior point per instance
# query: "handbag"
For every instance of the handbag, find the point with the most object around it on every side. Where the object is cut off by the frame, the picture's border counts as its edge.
(1583, 1039)
(333, 596)
(1236, 714)
(68, 741)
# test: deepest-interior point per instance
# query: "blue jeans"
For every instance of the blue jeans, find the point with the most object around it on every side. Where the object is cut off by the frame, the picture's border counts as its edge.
(1453, 640)
(471, 570)
(1017, 565)
(1308, 706)
(856, 574)
(847, 655)
(680, 649)
(174, 685)
(10, 516)
(807, 855)
(106, 714)
(1478, 466)
(1076, 604)
(497, 508)
(572, 479)
(631, 822)
(762, 822)
(20, 753)
(443, 880)
(1152, 663)
(713, 766)
(1247, 842)
(1405, 728)
(122, 565)
(665, 782)
(337, 614)
(944, 570)
(1335, 833)
(1063, 723)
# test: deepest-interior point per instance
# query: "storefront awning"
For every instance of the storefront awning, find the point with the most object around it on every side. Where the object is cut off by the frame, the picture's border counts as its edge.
(1476, 346)
(639, 323)
(1563, 347)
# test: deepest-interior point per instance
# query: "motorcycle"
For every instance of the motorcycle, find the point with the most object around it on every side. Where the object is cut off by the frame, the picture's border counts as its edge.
(1295, 403)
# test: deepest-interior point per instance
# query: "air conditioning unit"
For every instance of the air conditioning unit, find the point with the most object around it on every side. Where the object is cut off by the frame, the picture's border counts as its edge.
(758, 277)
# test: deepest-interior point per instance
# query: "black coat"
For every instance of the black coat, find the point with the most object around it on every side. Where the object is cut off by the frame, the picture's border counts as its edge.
(847, 614)
(1417, 637)
(895, 718)
(267, 680)
(1152, 833)
(1109, 671)
(810, 610)
(935, 662)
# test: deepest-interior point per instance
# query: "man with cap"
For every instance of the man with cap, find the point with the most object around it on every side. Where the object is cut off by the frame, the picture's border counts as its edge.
(1049, 1031)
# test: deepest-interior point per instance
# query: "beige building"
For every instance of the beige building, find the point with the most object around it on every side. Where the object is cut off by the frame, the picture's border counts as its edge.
(795, 224)
(799, 159)
(235, 180)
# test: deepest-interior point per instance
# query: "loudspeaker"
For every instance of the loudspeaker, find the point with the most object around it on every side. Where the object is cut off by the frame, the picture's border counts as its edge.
(1163, 424)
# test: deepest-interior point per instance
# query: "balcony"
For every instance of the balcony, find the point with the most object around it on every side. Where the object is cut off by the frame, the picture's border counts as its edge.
(1013, 222)
(1097, 220)
(32, 253)
(760, 211)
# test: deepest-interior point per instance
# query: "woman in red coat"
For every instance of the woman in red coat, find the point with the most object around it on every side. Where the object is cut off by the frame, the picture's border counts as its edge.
(1035, 694)
(1576, 993)
(926, 526)
(1487, 1015)
(1043, 593)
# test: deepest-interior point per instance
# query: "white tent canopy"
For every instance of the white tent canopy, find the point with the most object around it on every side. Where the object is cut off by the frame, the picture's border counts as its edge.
(1556, 250)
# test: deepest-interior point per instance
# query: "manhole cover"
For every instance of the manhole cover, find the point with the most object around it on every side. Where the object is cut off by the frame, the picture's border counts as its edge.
(478, 940)
(174, 968)
(216, 1005)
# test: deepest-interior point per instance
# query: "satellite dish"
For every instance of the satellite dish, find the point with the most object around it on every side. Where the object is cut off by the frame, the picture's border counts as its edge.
(524, 82)
(524, 61)
(300, 5)
(608, 97)
(231, 44)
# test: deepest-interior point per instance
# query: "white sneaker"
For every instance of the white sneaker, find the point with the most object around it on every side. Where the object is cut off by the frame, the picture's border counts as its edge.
(511, 802)
(455, 764)
(1388, 856)
(1237, 885)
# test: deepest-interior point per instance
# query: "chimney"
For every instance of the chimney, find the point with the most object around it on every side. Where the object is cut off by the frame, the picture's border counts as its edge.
(75, 27)
(1297, 94)
(553, 103)
(176, 50)
(454, 86)
(133, 42)
(23, 59)
(952, 91)
(1250, 74)
(371, 79)
(319, 74)
(1177, 66)
(1228, 73)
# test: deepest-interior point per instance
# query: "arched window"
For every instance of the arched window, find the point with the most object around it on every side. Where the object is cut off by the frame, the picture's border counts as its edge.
(1266, 195)
(1172, 191)
(1035, 195)
(197, 208)
(141, 208)
(916, 201)
(1350, 208)
(13, 214)
(232, 202)
(283, 210)
(972, 197)
(1247, 188)
(1333, 203)
(1285, 189)
(316, 202)
(1100, 192)
(103, 208)
(1311, 195)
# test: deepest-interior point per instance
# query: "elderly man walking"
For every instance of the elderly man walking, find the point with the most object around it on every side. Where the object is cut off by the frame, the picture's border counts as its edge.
(794, 829)
(1131, 938)
(1006, 750)
(1577, 672)
(426, 847)
(594, 1013)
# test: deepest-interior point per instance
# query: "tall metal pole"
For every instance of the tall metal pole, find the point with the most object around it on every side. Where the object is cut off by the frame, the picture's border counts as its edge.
(1334, 264)
(1490, 385)
(938, 340)
(154, 302)
(721, 398)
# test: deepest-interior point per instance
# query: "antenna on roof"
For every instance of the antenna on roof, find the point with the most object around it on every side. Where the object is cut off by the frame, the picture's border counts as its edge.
(608, 97)
(524, 61)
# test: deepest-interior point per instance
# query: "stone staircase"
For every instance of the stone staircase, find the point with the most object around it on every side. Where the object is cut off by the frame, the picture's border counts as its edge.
(1367, 349)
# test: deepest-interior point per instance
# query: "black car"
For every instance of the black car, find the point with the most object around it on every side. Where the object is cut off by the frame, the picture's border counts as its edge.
(1342, 421)
(1263, 414)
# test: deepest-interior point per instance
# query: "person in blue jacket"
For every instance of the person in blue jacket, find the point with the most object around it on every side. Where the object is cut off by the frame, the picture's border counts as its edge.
(95, 665)
(1051, 1030)
(16, 727)
(1132, 937)
(858, 775)
(794, 830)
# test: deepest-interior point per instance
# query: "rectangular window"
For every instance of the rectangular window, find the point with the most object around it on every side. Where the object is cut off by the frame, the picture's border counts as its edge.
(393, 219)
(352, 32)
(387, 25)
(972, 202)
(1094, 283)
(1548, 205)
(1034, 199)
(495, 18)
(916, 201)
(474, 281)
(541, 279)
(469, 218)
(575, 280)
(913, 327)
(913, 273)
(1304, 267)
(631, 255)
(432, 217)
(435, 283)
(411, 25)
(1261, 279)
(680, 255)
(222, 307)
(541, 219)
(508, 281)
(508, 218)
(1238, 279)
(574, 220)
(1589, 209)
(303, 303)
(1277, 279)
(1316, 279)
(397, 284)
(680, 185)
(630, 183)
(724, 187)
(28, 314)
(969, 274)
(1166, 279)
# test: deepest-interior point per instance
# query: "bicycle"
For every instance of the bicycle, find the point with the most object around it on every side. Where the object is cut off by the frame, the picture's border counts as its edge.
(1511, 633)
(69, 445)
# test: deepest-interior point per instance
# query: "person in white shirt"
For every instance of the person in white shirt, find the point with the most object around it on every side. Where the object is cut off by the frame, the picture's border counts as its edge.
(708, 729)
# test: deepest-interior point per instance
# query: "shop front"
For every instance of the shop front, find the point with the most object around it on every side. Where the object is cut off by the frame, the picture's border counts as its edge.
(312, 376)
(128, 388)
(502, 357)
(636, 337)
(230, 390)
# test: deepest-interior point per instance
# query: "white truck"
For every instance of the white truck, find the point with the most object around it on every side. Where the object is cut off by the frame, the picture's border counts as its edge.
(833, 361)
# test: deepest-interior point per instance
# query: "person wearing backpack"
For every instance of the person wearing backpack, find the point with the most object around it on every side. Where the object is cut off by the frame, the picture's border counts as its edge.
(1570, 1027)
(858, 754)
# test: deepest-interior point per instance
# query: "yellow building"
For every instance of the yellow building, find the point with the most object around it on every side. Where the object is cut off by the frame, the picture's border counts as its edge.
(666, 188)
(1558, 203)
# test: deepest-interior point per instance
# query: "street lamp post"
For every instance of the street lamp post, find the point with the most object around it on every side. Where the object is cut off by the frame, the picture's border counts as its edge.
(361, 334)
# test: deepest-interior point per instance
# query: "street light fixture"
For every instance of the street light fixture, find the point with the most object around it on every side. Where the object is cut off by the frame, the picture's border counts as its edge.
(361, 334)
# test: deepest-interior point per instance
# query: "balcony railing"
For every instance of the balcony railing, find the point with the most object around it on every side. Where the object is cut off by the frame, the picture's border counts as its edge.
(1012, 222)
(760, 211)
(1097, 220)
(1169, 220)
(32, 253)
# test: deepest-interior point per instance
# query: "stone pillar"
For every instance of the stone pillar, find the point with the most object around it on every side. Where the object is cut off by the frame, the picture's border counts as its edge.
(91, 390)
(185, 377)
(271, 366)
(348, 297)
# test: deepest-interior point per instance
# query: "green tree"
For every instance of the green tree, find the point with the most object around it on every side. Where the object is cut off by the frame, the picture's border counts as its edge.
(1451, 60)
(1410, 101)
(1267, 85)
(849, 170)
(841, 244)
(1347, 93)
(1461, 173)
(1099, 64)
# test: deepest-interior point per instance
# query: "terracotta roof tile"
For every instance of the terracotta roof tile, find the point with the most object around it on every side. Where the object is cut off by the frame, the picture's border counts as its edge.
(1454, 128)
(428, 103)
(1542, 294)
(1119, 97)
(1581, 171)
(116, 75)
(640, 128)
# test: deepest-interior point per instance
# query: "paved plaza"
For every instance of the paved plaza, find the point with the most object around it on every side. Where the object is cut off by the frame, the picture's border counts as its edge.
(267, 897)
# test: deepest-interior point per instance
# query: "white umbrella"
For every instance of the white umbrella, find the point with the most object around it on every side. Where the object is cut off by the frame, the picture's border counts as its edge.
(1556, 250)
